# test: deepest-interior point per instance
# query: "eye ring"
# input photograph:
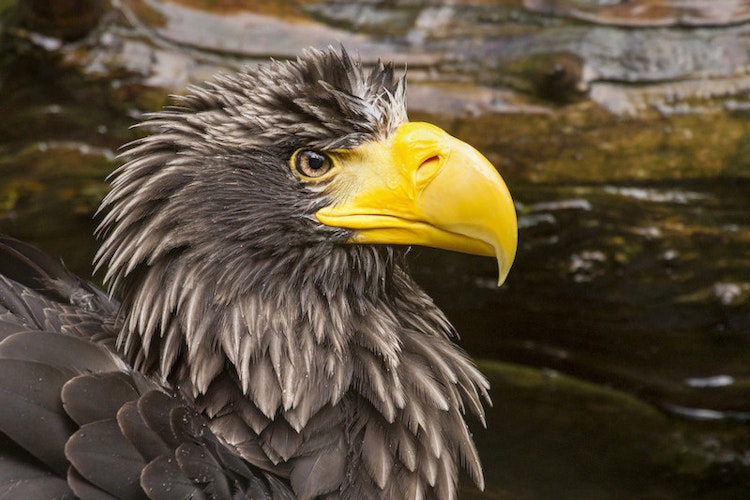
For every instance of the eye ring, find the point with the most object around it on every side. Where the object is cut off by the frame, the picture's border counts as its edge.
(310, 164)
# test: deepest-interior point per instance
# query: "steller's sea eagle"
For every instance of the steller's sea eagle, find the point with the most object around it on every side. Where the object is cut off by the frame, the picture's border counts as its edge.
(267, 342)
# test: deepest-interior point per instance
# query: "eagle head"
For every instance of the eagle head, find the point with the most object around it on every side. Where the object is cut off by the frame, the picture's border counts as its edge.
(252, 236)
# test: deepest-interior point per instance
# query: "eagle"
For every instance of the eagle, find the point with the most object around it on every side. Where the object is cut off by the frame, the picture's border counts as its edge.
(261, 337)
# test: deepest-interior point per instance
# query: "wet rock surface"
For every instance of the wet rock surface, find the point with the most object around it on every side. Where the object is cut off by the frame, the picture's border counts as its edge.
(647, 13)
(621, 128)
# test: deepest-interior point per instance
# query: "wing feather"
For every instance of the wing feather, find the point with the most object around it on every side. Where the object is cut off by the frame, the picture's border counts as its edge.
(32, 390)
(201, 467)
(148, 443)
(320, 473)
(89, 398)
(84, 489)
(102, 455)
(17, 474)
(163, 478)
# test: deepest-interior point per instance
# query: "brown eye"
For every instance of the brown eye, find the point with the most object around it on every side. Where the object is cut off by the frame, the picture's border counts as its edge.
(311, 163)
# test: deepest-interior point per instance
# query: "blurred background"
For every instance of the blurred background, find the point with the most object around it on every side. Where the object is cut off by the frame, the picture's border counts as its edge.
(619, 348)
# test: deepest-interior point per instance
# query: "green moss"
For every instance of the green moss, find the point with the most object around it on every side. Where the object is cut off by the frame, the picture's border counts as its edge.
(591, 441)
(582, 143)
(577, 392)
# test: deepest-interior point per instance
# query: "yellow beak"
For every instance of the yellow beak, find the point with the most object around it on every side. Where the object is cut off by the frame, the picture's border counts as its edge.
(422, 186)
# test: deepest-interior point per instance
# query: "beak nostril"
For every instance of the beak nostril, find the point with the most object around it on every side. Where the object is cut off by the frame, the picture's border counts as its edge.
(433, 158)
(427, 169)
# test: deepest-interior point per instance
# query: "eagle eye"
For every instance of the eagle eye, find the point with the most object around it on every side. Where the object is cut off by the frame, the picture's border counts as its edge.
(311, 164)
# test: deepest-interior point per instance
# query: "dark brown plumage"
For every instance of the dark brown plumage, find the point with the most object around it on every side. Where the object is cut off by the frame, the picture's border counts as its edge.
(256, 351)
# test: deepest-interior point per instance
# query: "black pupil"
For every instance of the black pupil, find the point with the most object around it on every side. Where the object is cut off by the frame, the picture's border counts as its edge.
(315, 161)
(311, 163)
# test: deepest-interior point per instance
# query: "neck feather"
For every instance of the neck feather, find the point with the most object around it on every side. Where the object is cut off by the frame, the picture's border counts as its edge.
(318, 328)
